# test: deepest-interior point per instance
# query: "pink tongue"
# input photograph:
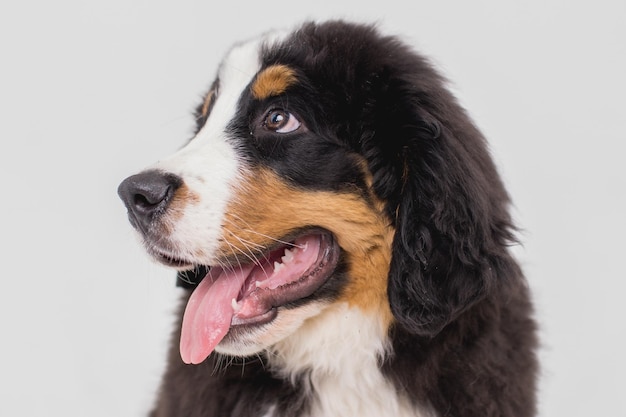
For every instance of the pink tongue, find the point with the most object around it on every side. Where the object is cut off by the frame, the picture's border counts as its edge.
(209, 312)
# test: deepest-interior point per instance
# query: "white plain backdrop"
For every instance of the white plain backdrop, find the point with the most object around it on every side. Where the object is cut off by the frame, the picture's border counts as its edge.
(92, 91)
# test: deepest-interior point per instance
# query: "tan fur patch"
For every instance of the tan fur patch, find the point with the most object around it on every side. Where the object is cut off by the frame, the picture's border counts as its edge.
(208, 99)
(267, 206)
(273, 81)
(182, 198)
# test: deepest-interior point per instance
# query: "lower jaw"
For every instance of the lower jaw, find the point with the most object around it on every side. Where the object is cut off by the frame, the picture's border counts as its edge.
(252, 339)
(241, 324)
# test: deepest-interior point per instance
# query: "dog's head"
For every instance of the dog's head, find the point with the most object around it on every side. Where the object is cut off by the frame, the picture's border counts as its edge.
(330, 165)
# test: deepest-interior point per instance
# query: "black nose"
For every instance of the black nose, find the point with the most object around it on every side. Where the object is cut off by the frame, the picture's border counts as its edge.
(147, 195)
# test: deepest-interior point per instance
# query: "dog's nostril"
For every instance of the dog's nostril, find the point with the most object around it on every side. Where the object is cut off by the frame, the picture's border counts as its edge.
(148, 194)
(141, 201)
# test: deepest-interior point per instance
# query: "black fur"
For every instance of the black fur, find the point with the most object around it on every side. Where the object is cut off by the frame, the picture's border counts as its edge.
(464, 338)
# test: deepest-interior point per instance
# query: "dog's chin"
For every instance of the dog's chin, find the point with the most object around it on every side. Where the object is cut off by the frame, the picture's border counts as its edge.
(246, 340)
(168, 257)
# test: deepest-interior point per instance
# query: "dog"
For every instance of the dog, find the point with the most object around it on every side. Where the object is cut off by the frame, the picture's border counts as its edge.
(342, 235)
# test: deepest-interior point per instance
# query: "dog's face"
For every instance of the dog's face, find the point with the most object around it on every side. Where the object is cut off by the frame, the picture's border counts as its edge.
(273, 199)
(313, 172)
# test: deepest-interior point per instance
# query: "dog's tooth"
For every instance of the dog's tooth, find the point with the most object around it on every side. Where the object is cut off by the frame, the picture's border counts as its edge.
(235, 305)
(288, 257)
(278, 266)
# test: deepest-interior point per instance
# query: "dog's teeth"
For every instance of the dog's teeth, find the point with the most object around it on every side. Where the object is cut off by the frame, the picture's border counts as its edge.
(278, 266)
(236, 307)
(288, 257)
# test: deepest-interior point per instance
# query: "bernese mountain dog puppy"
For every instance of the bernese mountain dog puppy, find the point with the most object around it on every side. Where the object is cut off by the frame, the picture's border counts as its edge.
(343, 238)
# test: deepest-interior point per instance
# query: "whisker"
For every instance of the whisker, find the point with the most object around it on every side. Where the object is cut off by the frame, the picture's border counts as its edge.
(249, 255)
(250, 230)
(250, 243)
(182, 275)
(247, 244)
(225, 264)
(232, 249)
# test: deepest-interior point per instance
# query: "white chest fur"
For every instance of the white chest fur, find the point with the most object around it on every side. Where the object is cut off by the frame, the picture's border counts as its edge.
(342, 350)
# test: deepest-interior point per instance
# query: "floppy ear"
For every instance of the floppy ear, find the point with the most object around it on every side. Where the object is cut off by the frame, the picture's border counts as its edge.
(450, 213)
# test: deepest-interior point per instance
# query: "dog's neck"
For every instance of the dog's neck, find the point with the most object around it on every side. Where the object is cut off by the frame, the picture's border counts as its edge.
(338, 355)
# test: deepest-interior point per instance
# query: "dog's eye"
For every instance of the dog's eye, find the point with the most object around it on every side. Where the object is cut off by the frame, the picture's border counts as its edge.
(281, 121)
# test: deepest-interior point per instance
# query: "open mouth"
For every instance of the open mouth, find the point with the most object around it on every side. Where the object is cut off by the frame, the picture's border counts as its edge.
(249, 294)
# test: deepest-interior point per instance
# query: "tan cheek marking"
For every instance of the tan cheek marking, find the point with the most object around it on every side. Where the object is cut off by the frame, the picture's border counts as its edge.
(183, 197)
(273, 81)
(266, 206)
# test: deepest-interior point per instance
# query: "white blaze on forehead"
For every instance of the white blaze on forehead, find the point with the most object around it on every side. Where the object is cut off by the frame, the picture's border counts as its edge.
(209, 165)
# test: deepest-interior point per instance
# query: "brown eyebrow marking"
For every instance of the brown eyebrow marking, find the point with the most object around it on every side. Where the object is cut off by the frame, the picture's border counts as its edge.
(273, 81)
(207, 103)
(208, 100)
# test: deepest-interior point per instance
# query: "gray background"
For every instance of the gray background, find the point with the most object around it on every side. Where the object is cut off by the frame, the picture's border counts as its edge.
(92, 91)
